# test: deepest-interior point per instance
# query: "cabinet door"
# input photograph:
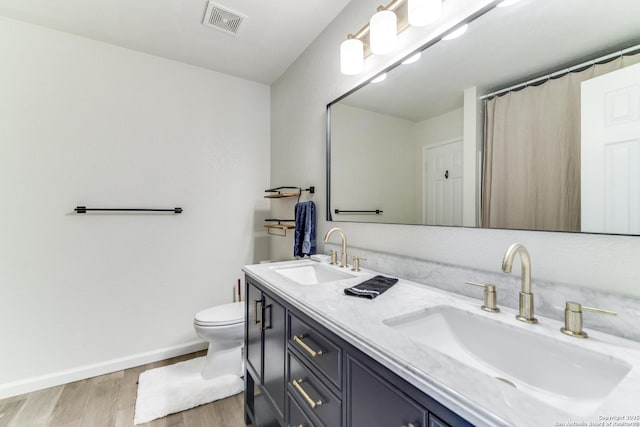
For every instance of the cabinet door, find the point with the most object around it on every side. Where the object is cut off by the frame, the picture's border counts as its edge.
(275, 345)
(254, 329)
(373, 402)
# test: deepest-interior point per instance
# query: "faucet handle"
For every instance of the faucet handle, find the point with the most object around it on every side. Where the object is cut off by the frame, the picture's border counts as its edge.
(356, 262)
(334, 257)
(490, 297)
(573, 318)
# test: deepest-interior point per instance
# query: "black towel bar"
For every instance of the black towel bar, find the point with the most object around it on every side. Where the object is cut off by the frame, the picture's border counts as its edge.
(84, 209)
(342, 211)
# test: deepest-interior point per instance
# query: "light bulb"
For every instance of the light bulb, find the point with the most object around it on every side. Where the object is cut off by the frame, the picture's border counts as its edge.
(351, 57)
(383, 32)
(423, 12)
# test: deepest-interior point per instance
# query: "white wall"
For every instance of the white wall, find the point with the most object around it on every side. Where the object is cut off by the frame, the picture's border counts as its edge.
(370, 152)
(298, 103)
(86, 123)
(435, 130)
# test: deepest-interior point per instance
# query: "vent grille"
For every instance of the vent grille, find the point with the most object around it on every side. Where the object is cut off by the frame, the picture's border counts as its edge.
(222, 19)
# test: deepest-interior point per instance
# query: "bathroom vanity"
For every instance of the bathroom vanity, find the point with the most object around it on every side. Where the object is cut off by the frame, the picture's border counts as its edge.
(316, 357)
(309, 376)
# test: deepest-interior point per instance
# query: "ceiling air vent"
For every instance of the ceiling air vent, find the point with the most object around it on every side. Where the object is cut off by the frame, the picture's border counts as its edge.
(222, 19)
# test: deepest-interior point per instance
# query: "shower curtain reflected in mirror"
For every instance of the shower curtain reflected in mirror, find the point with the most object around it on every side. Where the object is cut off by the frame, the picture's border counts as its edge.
(531, 170)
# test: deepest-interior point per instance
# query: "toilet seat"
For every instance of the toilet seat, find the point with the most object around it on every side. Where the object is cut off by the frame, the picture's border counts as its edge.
(221, 315)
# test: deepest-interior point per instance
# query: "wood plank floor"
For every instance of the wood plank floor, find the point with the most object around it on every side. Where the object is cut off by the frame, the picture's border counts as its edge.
(110, 400)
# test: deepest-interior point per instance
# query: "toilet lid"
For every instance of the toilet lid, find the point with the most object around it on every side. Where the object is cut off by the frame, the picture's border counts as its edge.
(220, 315)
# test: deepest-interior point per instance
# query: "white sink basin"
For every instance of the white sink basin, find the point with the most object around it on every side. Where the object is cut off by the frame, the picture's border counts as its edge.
(568, 377)
(312, 274)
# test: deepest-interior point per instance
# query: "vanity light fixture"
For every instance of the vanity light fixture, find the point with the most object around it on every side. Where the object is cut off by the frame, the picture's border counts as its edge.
(380, 34)
(457, 32)
(423, 12)
(380, 78)
(383, 31)
(351, 56)
(412, 59)
(377, 36)
(507, 3)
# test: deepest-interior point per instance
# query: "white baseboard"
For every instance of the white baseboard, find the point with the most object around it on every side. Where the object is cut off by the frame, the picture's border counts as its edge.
(53, 379)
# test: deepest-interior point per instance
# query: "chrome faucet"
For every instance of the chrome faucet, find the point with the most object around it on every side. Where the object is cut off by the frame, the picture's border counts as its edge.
(343, 257)
(526, 297)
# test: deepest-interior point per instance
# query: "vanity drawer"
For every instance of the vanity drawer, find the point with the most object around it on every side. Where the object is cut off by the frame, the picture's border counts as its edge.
(436, 422)
(317, 350)
(373, 402)
(297, 417)
(312, 395)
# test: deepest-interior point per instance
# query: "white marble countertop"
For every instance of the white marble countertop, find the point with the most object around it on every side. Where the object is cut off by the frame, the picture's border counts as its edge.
(474, 395)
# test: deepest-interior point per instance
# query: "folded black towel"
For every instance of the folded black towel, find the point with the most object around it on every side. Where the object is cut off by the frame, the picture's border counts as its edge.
(371, 288)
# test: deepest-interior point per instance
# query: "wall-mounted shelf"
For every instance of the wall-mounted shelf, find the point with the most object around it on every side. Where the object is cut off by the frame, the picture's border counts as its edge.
(277, 192)
(279, 226)
(280, 195)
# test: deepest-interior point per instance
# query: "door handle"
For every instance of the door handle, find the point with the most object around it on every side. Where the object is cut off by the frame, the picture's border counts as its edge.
(446, 174)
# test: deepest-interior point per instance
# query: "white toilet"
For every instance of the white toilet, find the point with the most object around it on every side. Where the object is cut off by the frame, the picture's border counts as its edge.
(222, 327)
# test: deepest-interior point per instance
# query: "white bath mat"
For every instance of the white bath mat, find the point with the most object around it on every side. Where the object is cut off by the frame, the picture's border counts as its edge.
(174, 388)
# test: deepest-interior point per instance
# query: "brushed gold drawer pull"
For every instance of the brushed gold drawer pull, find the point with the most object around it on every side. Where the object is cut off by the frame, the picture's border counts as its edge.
(255, 311)
(305, 395)
(312, 352)
(264, 326)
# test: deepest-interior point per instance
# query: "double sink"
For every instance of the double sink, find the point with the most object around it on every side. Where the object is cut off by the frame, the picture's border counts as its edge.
(571, 378)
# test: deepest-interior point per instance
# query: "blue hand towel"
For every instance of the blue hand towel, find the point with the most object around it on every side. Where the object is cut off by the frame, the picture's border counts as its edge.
(305, 234)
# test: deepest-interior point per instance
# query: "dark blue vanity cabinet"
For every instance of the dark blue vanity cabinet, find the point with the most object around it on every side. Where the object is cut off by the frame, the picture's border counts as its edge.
(300, 374)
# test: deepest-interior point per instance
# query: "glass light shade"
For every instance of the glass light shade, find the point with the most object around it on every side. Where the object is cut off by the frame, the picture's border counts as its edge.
(457, 33)
(382, 77)
(507, 3)
(383, 32)
(412, 58)
(423, 12)
(351, 57)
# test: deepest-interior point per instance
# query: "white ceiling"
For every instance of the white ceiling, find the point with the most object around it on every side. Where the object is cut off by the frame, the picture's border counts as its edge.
(272, 36)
